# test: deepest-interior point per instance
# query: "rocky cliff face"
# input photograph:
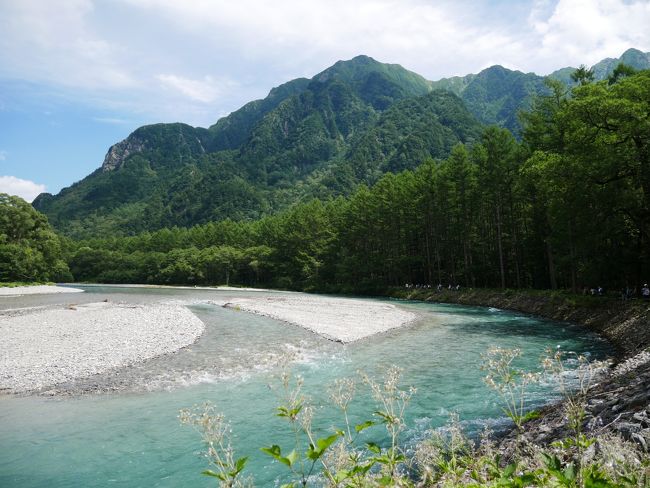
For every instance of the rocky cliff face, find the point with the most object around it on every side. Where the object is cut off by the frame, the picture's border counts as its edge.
(118, 153)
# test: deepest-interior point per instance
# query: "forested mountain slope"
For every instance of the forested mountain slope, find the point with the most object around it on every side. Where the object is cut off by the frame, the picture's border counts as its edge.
(318, 137)
(496, 94)
(566, 207)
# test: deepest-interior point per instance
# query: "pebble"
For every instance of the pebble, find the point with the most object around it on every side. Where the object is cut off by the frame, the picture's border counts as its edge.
(50, 346)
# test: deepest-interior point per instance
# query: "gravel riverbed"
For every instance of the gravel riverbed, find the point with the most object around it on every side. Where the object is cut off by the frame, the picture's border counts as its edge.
(338, 319)
(43, 347)
(36, 290)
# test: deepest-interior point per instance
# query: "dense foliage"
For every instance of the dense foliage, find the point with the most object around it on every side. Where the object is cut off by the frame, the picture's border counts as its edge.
(496, 94)
(29, 248)
(567, 207)
(309, 138)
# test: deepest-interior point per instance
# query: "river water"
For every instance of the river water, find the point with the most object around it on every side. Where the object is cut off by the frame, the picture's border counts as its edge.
(126, 432)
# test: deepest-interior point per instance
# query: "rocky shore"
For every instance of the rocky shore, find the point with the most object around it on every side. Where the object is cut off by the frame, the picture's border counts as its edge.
(619, 400)
(618, 403)
(625, 324)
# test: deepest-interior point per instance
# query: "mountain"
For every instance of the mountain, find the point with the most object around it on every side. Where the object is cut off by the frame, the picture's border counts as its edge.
(318, 137)
(231, 131)
(632, 57)
(308, 138)
(496, 94)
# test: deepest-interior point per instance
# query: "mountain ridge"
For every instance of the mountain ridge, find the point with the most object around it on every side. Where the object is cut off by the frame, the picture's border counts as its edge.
(318, 137)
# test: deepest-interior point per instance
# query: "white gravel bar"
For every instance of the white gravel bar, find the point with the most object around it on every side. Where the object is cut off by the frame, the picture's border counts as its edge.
(337, 319)
(36, 290)
(54, 345)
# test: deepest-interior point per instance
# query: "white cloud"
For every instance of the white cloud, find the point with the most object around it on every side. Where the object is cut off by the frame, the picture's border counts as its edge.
(205, 90)
(313, 34)
(25, 189)
(55, 42)
(163, 60)
(586, 31)
(434, 38)
(3, 155)
(112, 120)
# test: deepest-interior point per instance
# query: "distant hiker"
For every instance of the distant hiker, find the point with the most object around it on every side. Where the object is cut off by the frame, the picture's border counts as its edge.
(645, 292)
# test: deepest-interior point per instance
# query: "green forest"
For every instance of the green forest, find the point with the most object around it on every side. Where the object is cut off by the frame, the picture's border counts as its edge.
(566, 206)
(30, 250)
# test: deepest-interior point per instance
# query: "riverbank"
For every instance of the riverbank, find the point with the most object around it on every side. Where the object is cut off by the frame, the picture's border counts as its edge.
(336, 318)
(46, 346)
(626, 324)
(181, 287)
(35, 290)
(619, 401)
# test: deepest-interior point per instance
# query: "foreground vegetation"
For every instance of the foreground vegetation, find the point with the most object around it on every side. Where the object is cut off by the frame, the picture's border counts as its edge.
(568, 207)
(447, 457)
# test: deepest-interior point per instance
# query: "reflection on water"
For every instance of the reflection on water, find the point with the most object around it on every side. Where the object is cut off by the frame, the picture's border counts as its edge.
(133, 438)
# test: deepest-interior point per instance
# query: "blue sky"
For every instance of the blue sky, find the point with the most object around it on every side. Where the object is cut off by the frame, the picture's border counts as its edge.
(79, 75)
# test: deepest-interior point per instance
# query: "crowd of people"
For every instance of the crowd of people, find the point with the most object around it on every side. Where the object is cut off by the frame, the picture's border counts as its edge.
(439, 288)
(627, 293)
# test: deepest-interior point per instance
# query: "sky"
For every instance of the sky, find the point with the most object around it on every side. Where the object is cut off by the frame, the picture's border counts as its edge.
(77, 76)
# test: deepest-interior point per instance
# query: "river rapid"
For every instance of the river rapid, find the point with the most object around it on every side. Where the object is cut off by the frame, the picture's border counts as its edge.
(122, 428)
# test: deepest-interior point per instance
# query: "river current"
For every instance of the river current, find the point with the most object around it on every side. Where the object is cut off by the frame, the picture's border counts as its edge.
(122, 429)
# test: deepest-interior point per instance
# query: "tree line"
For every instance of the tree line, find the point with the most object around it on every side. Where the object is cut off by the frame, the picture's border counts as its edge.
(566, 207)
(30, 250)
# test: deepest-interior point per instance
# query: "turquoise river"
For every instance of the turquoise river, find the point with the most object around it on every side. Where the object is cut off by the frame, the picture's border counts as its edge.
(129, 435)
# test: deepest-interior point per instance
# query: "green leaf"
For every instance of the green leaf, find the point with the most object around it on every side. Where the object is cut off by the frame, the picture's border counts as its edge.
(276, 453)
(239, 465)
(570, 472)
(532, 415)
(362, 469)
(509, 470)
(527, 479)
(315, 452)
(387, 418)
(341, 475)
(312, 454)
(364, 425)
(292, 457)
(209, 472)
(552, 463)
(385, 480)
(326, 442)
(372, 447)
